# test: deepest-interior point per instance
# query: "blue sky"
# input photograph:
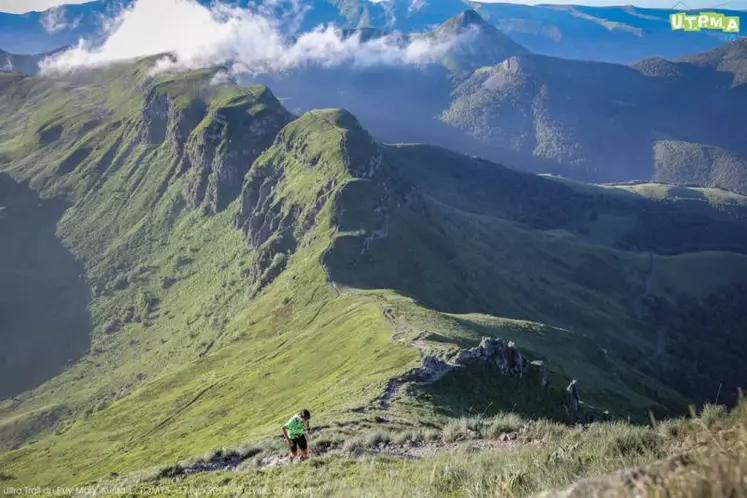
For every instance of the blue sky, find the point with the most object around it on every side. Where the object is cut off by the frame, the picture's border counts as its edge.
(27, 5)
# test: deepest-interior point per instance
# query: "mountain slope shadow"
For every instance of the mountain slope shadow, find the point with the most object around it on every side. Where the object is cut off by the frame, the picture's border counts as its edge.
(44, 321)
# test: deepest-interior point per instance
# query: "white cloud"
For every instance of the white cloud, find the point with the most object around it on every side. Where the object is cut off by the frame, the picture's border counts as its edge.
(415, 5)
(22, 6)
(55, 20)
(200, 36)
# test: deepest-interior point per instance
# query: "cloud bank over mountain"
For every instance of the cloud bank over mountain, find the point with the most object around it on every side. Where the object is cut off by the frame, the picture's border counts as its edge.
(249, 41)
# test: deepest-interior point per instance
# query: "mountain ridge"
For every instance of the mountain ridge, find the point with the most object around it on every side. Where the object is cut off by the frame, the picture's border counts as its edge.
(209, 293)
(615, 34)
(588, 120)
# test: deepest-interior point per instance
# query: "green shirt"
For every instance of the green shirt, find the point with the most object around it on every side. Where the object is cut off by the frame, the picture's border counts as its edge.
(295, 427)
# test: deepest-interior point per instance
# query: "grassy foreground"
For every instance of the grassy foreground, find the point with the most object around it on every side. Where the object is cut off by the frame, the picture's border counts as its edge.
(697, 456)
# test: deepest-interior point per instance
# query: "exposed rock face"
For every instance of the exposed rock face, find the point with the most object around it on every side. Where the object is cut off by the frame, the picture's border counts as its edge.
(503, 354)
(497, 352)
(223, 148)
(543, 374)
(573, 403)
(267, 229)
(215, 147)
(258, 216)
(275, 216)
(157, 114)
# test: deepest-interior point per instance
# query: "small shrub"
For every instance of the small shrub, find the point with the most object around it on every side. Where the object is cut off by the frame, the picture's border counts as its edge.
(460, 429)
(275, 445)
(400, 438)
(120, 282)
(620, 439)
(674, 428)
(375, 438)
(503, 423)
(167, 282)
(111, 326)
(353, 445)
(711, 414)
(321, 444)
(432, 435)
(210, 456)
(545, 429)
(413, 436)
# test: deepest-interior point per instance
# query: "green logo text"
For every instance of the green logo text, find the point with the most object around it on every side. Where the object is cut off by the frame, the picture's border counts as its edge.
(704, 20)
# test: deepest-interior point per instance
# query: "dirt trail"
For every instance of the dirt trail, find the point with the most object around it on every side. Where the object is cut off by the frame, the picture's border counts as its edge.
(394, 385)
(407, 451)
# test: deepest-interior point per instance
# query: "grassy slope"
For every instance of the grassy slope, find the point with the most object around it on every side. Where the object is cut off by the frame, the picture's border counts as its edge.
(148, 371)
(564, 277)
(197, 363)
(681, 457)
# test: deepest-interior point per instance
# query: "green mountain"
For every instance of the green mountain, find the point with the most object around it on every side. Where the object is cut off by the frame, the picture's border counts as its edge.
(604, 122)
(590, 121)
(224, 261)
(26, 63)
(621, 34)
(483, 43)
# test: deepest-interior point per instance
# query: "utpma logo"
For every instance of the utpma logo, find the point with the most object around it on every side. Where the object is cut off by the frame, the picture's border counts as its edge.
(704, 20)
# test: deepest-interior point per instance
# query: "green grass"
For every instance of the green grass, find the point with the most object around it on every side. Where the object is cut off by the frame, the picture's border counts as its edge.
(549, 458)
(698, 274)
(193, 347)
(199, 349)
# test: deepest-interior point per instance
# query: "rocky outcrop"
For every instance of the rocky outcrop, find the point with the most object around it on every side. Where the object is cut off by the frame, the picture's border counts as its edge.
(504, 358)
(259, 213)
(222, 150)
(267, 229)
(573, 402)
(165, 122)
(156, 117)
(272, 225)
(544, 380)
(215, 146)
(498, 352)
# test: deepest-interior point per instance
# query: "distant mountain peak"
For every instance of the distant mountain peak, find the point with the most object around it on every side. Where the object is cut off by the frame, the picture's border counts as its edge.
(479, 43)
(27, 64)
(469, 19)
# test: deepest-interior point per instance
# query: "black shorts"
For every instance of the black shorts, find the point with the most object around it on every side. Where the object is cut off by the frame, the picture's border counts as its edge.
(298, 442)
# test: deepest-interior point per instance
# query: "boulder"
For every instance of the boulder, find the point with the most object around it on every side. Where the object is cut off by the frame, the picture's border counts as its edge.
(501, 353)
(573, 402)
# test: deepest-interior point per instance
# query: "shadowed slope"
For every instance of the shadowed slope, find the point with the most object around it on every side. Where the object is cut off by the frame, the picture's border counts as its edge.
(44, 323)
